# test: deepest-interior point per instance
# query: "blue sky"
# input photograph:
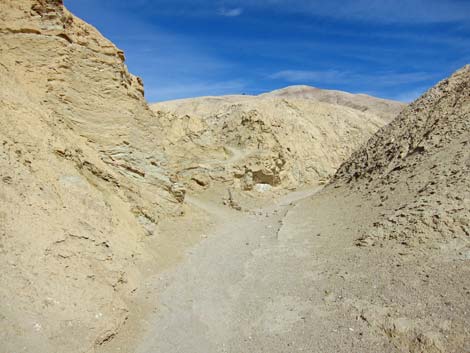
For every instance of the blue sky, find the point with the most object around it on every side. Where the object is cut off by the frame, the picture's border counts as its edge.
(185, 48)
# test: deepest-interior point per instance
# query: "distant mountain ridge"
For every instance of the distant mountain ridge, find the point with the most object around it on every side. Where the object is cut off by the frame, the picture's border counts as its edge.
(289, 137)
(387, 109)
(384, 108)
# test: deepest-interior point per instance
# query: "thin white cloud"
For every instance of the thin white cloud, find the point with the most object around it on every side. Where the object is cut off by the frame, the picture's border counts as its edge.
(382, 79)
(169, 90)
(381, 11)
(175, 65)
(309, 76)
(233, 12)
(389, 11)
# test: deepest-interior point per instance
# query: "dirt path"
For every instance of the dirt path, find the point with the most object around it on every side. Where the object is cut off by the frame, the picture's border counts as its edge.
(290, 278)
(258, 283)
(225, 292)
(264, 282)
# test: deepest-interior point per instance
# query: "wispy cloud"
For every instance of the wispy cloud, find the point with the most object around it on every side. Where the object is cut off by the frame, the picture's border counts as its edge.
(194, 87)
(346, 77)
(405, 11)
(390, 11)
(184, 69)
(309, 76)
(233, 12)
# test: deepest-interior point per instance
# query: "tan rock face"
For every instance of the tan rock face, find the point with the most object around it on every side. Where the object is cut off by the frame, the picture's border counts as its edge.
(418, 167)
(81, 180)
(79, 78)
(244, 140)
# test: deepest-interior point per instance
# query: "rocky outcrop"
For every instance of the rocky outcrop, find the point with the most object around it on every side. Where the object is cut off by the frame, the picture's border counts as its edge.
(418, 167)
(82, 180)
(242, 141)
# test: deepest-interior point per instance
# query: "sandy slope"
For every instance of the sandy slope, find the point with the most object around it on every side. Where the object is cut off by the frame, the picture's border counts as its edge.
(417, 168)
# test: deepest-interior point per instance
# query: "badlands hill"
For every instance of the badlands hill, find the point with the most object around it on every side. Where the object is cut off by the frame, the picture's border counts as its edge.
(420, 166)
(384, 108)
(81, 182)
(282, 140)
